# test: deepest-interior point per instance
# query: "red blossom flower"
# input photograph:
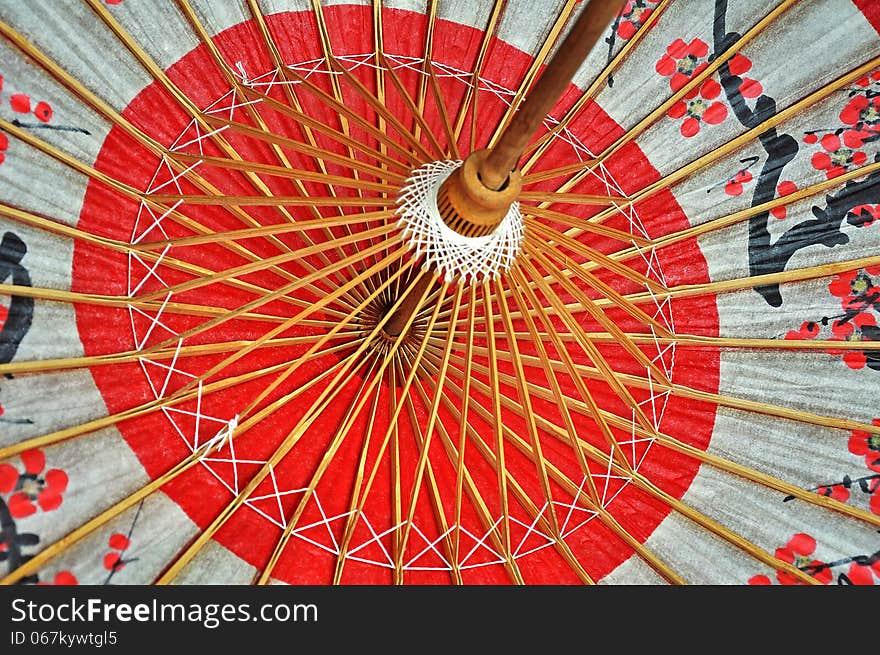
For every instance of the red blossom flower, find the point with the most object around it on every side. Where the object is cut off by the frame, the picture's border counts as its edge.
(863, 115)
(851, 330)
(739, 65)
(863, 574)
(809, 330)
(32, 485)
(62, 578)
(798, 552)
(867, 445)
(759, 580)
(837, 492)
(785, 188)
(119, 543)
(683, 61)
(632, 17)
(20, 103)
(43, 111)
(841, 285)
(837, 158)
(699, 108)
(868, 79)
(734, 186)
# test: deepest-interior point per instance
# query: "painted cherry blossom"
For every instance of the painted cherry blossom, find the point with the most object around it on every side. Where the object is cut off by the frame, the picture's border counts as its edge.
(32, 485)
(699, 107)
(633, 16)
(798, 552)
(683, 61)
(835, 158)
(866, 444)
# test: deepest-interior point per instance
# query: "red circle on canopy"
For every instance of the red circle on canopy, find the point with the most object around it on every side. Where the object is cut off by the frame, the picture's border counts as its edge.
(162, 439)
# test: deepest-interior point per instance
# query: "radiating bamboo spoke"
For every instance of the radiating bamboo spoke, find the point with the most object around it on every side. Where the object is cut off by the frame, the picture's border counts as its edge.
(646, 486)
(489, 353)
(693, 83)
(540, 145)
(53, 550)
(577, 497)
(318, 406)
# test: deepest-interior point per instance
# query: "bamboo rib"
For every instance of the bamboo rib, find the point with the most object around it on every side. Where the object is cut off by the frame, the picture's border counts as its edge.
(424, 445)
(616, 299)
(437, 95)
(185, 557)
(289, 172)
(435, 497)
(289, 91)
(737, 217)
(396, 485)
(583, 224)
(299, 430)
(53, 550)
(517, 491)
(276, 201)
(162, 79)
(744, 214)
(355, 492)
(470, 91)
(421, 97)
(539, 146)
(350, 161)
(495, 396)
(127, 356)
(463, 413)
(476, 499)
(564, 197)
(590, 350)
(174, 215)
(708, 342)
(124, 302)
(365, 343)
(531, 73)
(588, 347)
(577, 495)
(646, 486)
(105, 110)
(693, 83)
(292, 321)
(338, 103)
(298, 255)
(593, 308)
(345, 425)
(741, 140)
(720, 400)
(276, 228)
(253, 114)
(672, 443)
(184, 393)
(524, 399)
(56, 227)
(559, 396)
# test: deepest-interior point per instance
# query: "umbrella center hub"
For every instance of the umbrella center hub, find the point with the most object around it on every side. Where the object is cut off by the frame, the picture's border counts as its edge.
(458, 232)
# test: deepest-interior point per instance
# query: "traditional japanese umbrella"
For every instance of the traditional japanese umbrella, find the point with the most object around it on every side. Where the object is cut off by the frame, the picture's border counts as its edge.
(321, 293)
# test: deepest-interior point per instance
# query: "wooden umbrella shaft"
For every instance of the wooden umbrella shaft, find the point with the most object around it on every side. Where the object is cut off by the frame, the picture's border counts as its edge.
(587, 30)
(493, 171)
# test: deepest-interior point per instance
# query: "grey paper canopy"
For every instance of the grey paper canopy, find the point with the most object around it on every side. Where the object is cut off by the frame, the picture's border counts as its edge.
(663, 368)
